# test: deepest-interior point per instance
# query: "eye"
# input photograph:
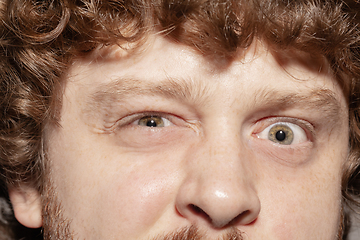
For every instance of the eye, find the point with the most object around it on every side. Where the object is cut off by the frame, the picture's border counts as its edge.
(284, 133)
(153, 121)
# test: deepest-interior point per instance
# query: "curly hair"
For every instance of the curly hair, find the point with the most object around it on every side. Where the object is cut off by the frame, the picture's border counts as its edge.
(40, 39)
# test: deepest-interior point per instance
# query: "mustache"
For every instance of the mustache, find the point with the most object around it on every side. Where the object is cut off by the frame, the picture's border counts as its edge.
(193, 233)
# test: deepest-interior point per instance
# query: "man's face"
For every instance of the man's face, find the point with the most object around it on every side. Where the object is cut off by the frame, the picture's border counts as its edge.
(163, 139)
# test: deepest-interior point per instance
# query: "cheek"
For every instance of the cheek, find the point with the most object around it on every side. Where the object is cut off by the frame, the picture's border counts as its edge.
(301, 199)
(304, 204)
(303, 219)
(137, 199)
(110, 184)
(128, 192)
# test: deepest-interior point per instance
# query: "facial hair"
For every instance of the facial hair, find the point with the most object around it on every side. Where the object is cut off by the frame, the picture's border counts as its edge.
(55, 226)
(193, 233)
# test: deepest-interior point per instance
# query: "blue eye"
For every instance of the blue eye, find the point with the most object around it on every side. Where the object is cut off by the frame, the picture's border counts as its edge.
(284, 133)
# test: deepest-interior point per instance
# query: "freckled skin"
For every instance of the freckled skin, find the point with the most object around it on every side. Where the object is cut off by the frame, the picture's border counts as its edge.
(135, 182)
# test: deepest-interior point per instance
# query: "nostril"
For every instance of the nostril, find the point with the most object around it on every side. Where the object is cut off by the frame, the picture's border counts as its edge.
(239, 217)
(244, 218)
(219, 223)
(198, 211)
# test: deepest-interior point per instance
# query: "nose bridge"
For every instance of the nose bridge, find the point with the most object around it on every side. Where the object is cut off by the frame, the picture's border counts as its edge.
(222, 155)
(219, 155)
(226, 175)
(219, 187)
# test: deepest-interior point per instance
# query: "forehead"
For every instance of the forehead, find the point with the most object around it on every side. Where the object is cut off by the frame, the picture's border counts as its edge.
(160, 60)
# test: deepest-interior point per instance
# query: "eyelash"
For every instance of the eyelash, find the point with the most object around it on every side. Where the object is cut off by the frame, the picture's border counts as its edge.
(294, 124)
(132, 119)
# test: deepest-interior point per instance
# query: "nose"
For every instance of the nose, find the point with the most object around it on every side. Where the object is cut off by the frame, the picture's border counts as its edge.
(218, 189)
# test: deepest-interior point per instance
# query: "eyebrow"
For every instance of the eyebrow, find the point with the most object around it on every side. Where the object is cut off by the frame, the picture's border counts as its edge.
(179, 89)
(320, 99)
(187, 90)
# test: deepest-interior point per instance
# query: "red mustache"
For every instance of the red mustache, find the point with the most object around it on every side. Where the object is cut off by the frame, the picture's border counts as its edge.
(193, 233)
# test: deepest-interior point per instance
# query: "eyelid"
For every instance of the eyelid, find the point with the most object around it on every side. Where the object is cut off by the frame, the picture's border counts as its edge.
(165, 122)
(263, 123)
(129, 120)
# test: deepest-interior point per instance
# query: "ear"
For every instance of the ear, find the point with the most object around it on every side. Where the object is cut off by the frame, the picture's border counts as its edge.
(26, 203)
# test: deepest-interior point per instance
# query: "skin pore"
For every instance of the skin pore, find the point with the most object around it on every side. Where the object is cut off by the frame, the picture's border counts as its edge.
(165, 141)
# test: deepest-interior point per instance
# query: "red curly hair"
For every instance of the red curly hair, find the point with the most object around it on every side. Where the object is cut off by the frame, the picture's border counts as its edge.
(40, 39)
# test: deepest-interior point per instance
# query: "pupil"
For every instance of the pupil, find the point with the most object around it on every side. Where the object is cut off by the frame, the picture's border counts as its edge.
(151, 123)
(280, 135)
